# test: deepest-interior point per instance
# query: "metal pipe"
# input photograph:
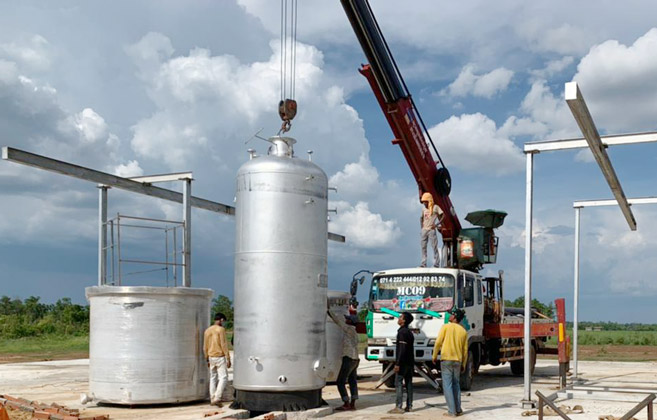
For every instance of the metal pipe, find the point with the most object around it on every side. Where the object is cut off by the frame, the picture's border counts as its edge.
(576, 295)
(102, 235)
(166, 253)
(118, 242)
(111, 222)
(187, 233)
(175, 257)
(529, 197)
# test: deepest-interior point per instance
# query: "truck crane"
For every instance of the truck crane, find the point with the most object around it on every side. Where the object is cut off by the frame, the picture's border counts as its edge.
(495, 335)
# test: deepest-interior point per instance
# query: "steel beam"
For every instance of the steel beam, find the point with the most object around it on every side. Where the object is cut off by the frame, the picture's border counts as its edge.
(102, 235)
(580, 143)
(585, 122)
(527, 401)
(187, 233)
(152, 179)
(598, 203)
(576, 295)
(80, 172)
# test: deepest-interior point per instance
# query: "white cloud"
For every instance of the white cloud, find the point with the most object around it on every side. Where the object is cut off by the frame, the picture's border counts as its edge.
(363, 228)
(33, 53)
(207, 106)
(554, 67)
(357, 180)
(619, 84)
(90, 125)
(563, 39)
(129, 169)
(472, 142)
(485, 85)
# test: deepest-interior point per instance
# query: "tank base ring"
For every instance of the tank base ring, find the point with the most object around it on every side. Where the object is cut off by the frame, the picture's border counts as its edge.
(263, 401)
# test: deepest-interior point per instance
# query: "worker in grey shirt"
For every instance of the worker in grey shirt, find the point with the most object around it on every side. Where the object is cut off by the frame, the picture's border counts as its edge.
(350, 360)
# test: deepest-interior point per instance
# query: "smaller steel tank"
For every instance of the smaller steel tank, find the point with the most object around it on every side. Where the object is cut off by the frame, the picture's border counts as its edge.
(146, 344)
(339, 304)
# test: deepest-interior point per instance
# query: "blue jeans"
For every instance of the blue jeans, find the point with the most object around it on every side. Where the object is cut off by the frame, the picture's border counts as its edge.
(451, 375)
(348, 372)
(404, 377)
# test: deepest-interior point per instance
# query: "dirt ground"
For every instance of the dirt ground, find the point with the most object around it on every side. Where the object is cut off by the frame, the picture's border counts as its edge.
(495, 395)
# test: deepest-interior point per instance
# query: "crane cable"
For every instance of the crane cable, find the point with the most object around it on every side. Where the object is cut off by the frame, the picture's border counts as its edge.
(287, 107)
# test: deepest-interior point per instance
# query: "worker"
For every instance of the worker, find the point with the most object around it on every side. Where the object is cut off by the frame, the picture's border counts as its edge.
(350, 359)
(432, 217)
(215, 348)
(452, 344)
(404, 364)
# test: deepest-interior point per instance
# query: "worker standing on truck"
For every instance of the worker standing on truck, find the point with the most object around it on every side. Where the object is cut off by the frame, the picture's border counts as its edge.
(215, 348)
(432, 217)
(350, 360)
(404, 364)
(452, 343)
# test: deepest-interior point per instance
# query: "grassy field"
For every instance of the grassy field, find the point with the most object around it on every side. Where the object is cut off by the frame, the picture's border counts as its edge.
(47, 347)
(621, 338)
(594, 345)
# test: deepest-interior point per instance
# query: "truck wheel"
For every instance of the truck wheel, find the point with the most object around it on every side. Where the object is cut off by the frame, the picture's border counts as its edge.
(390, 382)
(442, 181)
(467, 377)
(518, 366)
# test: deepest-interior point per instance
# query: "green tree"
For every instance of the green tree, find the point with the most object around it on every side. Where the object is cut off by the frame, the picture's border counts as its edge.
(224, 305)
(547, 310)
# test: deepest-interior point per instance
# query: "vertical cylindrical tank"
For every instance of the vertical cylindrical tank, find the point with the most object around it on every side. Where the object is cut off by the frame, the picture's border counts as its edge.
(280, 281)
(146, 344)
(339, 305)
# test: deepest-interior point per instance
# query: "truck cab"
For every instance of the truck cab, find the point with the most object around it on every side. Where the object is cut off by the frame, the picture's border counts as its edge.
(429, 294)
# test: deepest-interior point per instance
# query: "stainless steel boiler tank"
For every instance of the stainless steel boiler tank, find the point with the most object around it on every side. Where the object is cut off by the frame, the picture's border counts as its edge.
(280, 281)
(339, 304)
(146, 344)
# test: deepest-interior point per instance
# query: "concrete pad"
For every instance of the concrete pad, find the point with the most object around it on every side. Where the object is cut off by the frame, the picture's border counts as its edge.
(496, 393)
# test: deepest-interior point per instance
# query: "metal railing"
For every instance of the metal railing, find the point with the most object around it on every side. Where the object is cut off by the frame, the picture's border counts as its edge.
(173, 230)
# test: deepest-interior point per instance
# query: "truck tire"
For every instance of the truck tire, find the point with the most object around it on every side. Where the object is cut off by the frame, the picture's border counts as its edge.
(443, 182)
(467, 377)
(390, 382)
(518, 366)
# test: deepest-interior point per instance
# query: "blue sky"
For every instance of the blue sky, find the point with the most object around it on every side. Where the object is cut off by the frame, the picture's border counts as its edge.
(165, 86)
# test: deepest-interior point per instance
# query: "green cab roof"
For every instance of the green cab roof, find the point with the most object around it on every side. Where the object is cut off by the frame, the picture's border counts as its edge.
(486, 218)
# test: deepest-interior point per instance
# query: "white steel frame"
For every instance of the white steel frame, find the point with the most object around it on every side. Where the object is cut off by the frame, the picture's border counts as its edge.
(578, 206)
(139, 185)
(597, 145)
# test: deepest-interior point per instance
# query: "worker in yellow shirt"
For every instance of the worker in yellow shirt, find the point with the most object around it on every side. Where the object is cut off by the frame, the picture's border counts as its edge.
(452, 344)
(215, 348)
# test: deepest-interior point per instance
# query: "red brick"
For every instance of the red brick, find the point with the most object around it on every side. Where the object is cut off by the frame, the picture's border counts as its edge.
(41, 415)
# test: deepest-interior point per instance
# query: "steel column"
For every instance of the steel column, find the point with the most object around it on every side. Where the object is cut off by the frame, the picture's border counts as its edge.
(576, 295)
(102, 235)
(187, 233)
(527, 401)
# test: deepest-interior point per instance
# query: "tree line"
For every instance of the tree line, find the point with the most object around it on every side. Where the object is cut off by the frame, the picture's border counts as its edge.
(30, 317)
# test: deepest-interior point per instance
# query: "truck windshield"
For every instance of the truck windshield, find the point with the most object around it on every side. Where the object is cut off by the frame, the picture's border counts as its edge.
(409, 292)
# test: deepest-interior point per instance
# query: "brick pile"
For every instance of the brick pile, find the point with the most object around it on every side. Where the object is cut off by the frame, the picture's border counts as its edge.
(45, 411)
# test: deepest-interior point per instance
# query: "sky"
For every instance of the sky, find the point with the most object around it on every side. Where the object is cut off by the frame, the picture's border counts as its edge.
(150, 87)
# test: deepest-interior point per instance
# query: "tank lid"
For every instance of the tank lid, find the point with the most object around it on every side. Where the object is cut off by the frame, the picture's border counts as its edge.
(146, 290)
(281, 146)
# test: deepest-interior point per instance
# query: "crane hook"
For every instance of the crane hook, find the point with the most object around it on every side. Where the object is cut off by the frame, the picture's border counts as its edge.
(287, 110)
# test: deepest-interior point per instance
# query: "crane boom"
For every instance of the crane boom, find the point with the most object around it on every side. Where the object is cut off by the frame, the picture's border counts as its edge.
(403, 117)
